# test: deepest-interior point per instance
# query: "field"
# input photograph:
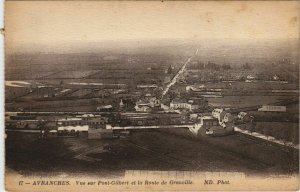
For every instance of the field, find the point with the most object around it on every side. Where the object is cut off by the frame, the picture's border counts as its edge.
(239, 85)
(91, 79)
(148, 151)
(285, 131)
(243, 101)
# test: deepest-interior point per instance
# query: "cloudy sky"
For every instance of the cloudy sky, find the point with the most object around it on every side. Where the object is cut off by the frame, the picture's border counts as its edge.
(52, 23)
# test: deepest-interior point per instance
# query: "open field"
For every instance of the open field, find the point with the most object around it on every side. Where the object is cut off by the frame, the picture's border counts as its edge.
(147, 150)
(286, 131)
(243, 101)
(240, 85)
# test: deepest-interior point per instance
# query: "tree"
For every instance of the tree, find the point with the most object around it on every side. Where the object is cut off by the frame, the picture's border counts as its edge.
(285, 136)
(170, 70)
(267, 132)
(226, 66)
(246, 66)
(252, 126)
(72, 133)
(172, 95)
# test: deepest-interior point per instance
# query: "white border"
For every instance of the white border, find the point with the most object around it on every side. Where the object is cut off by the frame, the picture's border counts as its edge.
(2, 156)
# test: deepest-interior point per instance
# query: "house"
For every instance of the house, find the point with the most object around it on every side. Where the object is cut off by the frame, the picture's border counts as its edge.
(241, 115)
(204, 123)
(179, 104)
(142, 108)
(193, 104)
(216, 113)
(93, 121)
(147, 104)
(193, 117)
(154, 102)
(275, 78)
(26, 124)
(105, 108)
(226, 119)
(147, 86)
(251, 77)
(70, 121)
(52, 133)
(73, 131)
(272, 108)
(195, 88)
(222, 116)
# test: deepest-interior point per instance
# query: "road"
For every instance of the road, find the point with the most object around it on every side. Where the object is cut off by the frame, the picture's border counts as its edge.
(266, 138)
(173, 81)
(153, 127)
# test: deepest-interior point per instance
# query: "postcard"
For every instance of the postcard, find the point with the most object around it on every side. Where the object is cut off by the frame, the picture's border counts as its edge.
(151, 95)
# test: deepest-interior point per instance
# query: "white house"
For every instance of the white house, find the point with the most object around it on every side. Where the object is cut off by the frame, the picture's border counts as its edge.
(241, 115)
(216, 113)
(272, 108)
(177, 104)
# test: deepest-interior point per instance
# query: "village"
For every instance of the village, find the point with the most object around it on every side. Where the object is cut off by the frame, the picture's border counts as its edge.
(117, 111)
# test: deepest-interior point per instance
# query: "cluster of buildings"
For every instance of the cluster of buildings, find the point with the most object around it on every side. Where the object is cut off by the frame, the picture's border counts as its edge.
(218, 123)
(147, 104)
(191, 105)
(93, 121)
(87, 125)
(150, 119)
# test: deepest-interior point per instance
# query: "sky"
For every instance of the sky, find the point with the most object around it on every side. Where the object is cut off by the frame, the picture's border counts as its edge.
(28, 23)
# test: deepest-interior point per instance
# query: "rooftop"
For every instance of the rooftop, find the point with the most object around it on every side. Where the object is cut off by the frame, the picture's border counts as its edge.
(75, 128)
(70, 119)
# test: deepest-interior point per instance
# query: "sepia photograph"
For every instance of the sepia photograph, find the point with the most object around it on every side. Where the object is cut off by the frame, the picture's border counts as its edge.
(151, 95)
